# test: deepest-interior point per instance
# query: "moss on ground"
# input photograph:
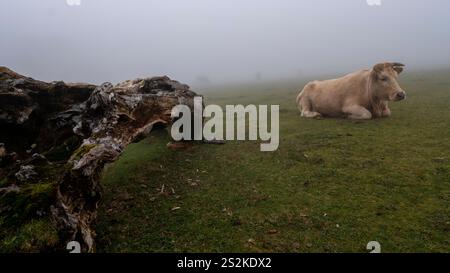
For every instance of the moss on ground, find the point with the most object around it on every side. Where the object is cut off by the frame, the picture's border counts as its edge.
(25, 224)
(30, 202)
(35, 236)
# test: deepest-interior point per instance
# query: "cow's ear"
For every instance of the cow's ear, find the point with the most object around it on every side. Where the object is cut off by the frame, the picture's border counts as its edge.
(398, 69)
(378, 68)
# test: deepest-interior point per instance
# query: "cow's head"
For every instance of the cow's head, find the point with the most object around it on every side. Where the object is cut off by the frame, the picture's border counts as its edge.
(384, 81)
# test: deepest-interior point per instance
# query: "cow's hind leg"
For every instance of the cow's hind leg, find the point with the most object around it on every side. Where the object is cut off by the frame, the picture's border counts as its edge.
(357, 112)
(311, 114)
(305, 108)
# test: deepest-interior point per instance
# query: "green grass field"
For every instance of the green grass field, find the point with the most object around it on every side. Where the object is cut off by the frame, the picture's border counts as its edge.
(332, 186)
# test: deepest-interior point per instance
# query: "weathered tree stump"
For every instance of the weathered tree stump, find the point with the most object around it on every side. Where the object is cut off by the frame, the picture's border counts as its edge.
(59, 136)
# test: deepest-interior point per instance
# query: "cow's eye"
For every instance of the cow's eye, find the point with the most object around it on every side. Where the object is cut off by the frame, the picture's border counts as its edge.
(384, 79)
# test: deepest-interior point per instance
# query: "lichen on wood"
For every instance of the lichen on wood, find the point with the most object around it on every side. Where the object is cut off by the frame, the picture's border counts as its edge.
(55, 140)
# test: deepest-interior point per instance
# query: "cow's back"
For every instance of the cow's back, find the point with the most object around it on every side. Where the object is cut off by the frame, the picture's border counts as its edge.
(328, 97)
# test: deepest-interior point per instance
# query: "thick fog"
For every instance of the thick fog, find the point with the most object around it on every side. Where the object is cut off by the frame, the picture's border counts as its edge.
(216, 41)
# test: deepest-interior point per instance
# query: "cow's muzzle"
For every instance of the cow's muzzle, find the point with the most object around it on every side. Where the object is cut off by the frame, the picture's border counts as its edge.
(400, 95)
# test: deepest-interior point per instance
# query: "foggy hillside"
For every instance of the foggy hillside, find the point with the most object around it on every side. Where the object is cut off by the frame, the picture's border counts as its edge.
(207, 42)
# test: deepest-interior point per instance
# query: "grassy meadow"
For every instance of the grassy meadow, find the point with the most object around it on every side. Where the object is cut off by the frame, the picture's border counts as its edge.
(332, 186)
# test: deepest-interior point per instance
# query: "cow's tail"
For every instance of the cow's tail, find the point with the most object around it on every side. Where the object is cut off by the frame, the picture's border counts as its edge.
(303, 103)
(299, 97)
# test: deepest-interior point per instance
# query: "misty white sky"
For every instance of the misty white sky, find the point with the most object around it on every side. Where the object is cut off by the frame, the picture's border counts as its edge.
(224, 40)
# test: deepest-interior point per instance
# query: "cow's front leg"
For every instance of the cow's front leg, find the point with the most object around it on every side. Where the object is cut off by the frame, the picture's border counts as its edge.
(386, 112)
(357, 112)
(381, 110)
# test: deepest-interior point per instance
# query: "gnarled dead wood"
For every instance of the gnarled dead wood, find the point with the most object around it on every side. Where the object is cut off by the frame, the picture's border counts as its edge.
(93, 123)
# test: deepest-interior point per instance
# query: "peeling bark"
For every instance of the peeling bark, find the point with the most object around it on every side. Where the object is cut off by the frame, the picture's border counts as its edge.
(94, 123)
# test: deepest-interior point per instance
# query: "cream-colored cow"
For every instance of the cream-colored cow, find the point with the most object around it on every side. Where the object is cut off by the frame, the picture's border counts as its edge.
(360, 95)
